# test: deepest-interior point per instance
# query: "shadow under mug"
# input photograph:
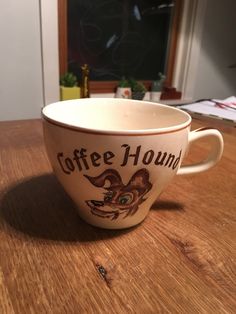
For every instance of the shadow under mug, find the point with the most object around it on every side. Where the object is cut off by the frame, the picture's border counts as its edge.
(115, 156)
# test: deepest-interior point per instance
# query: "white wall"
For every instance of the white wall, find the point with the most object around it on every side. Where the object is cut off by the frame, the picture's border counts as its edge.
(49, 35)
(214, 78)
(21, 87)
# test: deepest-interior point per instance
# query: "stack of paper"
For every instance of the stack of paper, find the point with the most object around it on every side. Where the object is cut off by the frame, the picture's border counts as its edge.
(221, 109)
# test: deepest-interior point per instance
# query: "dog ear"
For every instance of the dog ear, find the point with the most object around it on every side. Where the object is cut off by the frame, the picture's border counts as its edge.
(140, 181)
(110, 175)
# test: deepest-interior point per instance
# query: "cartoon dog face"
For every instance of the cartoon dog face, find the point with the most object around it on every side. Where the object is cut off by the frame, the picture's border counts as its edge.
(119, 199)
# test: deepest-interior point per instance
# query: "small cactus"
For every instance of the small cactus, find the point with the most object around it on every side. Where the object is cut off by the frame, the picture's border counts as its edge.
(68, 80)
(137, 86)
(158, 84)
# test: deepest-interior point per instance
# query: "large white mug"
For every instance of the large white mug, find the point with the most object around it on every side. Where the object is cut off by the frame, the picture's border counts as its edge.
(115, 156)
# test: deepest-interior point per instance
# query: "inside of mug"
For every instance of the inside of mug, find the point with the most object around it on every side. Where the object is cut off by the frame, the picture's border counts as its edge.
(115, 114)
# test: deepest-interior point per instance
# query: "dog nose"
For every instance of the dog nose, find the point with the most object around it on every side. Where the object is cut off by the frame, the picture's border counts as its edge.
(97, 203)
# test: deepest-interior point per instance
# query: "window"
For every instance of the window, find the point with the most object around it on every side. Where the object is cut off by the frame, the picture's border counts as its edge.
(118, 37)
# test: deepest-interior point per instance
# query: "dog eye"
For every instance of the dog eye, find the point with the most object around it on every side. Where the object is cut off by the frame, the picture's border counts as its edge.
(125, 199)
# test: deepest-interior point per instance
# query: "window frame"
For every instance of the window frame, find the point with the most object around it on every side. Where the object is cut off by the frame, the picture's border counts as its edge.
(110, 86)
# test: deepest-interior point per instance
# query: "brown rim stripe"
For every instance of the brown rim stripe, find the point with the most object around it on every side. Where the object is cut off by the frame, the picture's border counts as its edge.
(72, 128)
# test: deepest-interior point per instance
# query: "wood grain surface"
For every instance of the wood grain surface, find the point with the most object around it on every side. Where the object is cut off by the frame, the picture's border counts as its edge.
(181, 259)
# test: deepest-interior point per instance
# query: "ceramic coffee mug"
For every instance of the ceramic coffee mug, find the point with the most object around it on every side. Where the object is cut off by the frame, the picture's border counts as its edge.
(115, 156)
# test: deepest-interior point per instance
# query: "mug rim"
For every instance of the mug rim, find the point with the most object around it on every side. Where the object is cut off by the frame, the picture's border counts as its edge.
(140, 132)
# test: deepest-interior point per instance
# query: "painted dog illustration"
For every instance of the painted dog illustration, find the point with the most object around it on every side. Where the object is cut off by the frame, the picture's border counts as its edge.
(119, 199)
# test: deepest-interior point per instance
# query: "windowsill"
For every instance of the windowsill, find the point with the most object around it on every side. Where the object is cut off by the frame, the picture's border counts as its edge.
(170, 102)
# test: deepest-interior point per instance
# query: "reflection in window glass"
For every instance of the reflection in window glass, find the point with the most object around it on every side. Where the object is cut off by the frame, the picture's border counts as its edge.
(119, 37)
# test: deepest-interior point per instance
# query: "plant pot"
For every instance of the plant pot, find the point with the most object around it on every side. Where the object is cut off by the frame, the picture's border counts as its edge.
(67, 93)
(155, 96)
(138, 95)
(123, 92)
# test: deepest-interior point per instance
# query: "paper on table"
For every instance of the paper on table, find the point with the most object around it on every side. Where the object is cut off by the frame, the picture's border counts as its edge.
(209, 108)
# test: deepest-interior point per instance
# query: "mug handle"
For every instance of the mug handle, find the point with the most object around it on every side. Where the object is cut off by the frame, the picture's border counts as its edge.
(217, 145)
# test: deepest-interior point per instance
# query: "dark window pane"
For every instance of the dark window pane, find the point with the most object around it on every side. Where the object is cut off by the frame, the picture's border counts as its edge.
(117, 38)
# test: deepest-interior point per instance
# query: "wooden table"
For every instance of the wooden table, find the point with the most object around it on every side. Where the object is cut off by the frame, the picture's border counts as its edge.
(181, 259)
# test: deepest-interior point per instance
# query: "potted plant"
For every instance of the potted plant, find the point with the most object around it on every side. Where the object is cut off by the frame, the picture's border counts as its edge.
(68, 87)
(123, 89)
(138, 89)
(157, 87)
